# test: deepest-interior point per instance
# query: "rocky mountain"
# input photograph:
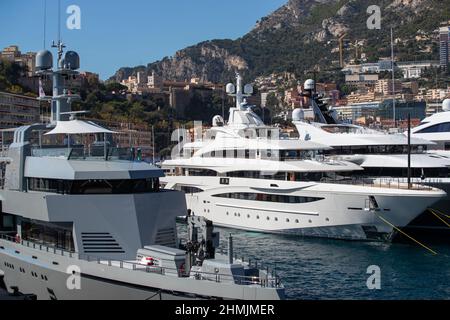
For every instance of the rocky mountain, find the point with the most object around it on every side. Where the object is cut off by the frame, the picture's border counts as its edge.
(302, 35)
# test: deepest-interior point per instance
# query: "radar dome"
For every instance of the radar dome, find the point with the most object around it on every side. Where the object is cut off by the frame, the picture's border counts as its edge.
(44, 60)
(230, 88)
(72, 60)
(446, 105)
(218, 121)
(248, 89)
(298, 115)
(309, 84)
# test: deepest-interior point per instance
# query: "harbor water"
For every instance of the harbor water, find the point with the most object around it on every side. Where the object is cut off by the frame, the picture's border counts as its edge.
(333, 269)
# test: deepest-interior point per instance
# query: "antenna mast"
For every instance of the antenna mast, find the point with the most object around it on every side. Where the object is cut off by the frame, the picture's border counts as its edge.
(45, 24)
(393, 77)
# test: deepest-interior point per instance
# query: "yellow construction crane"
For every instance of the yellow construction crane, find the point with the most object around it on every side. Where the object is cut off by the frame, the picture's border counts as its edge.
(341, 39)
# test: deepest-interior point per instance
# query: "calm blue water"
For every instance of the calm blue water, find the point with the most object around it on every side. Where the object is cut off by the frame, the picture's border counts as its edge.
(332, 269)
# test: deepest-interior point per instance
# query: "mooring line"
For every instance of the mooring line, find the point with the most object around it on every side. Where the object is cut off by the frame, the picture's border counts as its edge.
(442, 214)
(437, 216)
(407, 235)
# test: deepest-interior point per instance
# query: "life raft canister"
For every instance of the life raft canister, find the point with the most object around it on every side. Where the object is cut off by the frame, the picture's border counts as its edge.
(150, 261)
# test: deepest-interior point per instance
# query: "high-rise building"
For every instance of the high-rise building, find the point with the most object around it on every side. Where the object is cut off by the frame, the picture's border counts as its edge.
(444, 40)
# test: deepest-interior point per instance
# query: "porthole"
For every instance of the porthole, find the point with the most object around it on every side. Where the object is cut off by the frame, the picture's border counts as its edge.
(296, 221)
(257, 217)
(287, 220)
(268, 218)
(248, 216)
(327, 219)
(276, 219)
(310, 221)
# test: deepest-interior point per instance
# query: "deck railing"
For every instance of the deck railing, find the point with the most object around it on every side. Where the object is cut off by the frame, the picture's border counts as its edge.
(390, 183)
(86, 153)
(266, 278)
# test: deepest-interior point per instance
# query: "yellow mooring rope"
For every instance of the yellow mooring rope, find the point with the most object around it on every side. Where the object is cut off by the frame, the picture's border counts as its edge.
(405, 234)
(444, 215)
(437, 216)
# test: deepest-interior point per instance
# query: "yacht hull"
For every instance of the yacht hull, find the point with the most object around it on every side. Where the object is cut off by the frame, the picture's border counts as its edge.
(342, 211)
(46, 275)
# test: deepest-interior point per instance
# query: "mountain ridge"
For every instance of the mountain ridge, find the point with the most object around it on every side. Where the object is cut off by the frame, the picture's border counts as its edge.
(301, 35)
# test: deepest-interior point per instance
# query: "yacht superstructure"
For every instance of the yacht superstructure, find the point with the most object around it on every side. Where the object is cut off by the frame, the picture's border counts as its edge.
(436, 128)
(242, 175)
(88, 221)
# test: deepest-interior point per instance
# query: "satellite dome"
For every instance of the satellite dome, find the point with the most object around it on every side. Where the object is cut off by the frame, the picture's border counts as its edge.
(230, 89)
(218, 121)
(446, 105)
(309, 84)
(298, 115)
(248, 89)
(44, 60)
(72, 60)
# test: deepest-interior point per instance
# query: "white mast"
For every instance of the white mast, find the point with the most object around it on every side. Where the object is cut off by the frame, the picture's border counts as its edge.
(393, 76)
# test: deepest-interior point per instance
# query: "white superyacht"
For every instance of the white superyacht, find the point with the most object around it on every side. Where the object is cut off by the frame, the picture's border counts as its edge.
(382, 154)
(87, 222)
(242, 176)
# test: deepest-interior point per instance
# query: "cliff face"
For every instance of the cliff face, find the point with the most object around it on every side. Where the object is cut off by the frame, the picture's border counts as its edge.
(298, 36)
(207, 61)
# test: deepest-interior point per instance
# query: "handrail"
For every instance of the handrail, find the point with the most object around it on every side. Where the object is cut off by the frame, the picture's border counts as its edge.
(390, 183)
(268, 281)
(85, 152)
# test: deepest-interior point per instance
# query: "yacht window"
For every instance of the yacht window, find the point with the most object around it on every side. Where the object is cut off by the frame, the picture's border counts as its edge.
(7, 222)
(188, 189)
(403, 172)
(94, 186)
(57, 235)
(441, 127)
(267, 197)
(202, 172)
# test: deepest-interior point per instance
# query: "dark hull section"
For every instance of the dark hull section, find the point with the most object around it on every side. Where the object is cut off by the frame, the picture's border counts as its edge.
(50, 284)
(433, 224)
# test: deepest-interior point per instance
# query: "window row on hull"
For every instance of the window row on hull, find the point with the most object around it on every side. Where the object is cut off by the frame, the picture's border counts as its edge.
(267, 197)
(384, 149)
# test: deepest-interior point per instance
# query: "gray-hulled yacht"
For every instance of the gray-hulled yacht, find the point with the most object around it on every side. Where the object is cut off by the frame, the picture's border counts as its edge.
(91, 222)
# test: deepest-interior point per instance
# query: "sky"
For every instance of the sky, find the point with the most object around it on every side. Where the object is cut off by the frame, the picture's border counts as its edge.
(122, 33)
